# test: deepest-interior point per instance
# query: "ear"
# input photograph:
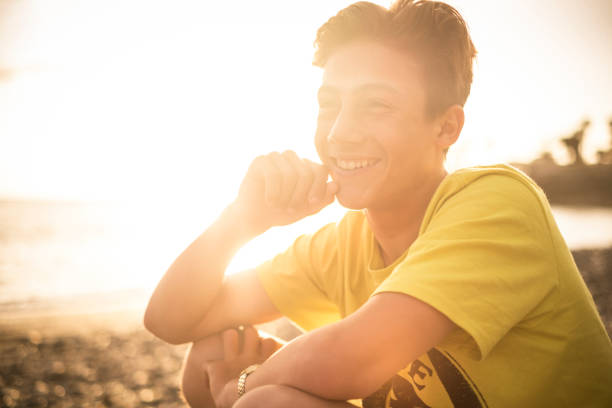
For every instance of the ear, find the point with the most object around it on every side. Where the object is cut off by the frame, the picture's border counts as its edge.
(450, 125)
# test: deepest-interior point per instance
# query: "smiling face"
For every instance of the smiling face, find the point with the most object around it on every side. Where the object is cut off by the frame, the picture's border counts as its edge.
(372, 131)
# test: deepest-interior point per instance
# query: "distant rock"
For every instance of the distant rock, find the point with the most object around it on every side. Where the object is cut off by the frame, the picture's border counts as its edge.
(572, 185)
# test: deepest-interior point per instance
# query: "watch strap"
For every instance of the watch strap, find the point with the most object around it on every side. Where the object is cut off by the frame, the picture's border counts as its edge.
(242, 378)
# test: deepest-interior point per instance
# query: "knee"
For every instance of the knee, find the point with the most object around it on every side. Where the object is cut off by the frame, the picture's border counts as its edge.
(270, 396)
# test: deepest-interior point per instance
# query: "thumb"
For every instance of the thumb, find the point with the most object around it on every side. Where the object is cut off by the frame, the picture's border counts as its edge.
(210, 367)
(217, 374)
(331, 189)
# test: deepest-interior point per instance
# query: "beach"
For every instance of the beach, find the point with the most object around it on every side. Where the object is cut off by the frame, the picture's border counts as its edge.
(110, 360)
(91, 360)
(86, 361)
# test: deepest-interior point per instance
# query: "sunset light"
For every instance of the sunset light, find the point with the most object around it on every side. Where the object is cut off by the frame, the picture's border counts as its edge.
(165, 105)
(127, 127)
(148, 99)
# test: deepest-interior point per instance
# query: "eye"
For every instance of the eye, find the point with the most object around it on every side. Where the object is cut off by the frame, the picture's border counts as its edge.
(328, 103)
(328, 106)
(376, 105)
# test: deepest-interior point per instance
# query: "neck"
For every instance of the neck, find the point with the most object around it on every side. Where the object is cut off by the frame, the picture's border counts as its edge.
(396, 227)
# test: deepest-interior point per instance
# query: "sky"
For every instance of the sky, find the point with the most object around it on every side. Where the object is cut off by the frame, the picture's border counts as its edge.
(166, 101)
(161, 105)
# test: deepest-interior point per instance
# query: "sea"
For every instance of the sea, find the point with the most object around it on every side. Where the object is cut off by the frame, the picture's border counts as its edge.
(84, 257)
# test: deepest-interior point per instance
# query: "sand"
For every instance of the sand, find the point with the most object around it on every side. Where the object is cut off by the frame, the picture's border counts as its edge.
(86, 361)
(91, 360)
(110, 360)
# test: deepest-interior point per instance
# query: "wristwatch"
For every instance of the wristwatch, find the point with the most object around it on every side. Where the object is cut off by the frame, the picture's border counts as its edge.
(242, 379)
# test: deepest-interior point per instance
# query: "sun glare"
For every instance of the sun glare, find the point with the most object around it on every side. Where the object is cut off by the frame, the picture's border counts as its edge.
(163, 104)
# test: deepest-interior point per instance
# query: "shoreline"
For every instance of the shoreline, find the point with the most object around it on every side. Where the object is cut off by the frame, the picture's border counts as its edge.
(124, 309)
(51, 324)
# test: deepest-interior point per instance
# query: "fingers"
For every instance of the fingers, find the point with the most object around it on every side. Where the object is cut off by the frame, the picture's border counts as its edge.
(273, 184)
(240, 341)
(267, 347)
(289, 173)
(230, 344)
(295, 184)
(209, 348)
(251, 341)
(317, 187)
(269, 175)
(320, 191)
(305, 178)
(330, 192)
(281, 188)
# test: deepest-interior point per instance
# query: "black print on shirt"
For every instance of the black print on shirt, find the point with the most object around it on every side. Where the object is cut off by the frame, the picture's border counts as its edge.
(401, 392)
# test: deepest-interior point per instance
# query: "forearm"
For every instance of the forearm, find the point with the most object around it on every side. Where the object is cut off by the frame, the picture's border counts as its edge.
(355, 356)
(278, 189)
(187, 290)
(328, 363)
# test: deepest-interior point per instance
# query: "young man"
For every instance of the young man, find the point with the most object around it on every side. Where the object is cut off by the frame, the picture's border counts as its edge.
(438, 290)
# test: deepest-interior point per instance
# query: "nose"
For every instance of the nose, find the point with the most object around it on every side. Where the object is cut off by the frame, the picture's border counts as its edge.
(346, 128)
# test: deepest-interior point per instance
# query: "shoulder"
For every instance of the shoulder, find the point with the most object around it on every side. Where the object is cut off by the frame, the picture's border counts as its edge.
(489, 195)
(498, 185)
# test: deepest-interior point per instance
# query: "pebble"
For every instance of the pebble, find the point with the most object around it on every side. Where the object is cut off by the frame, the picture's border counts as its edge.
(95, 371)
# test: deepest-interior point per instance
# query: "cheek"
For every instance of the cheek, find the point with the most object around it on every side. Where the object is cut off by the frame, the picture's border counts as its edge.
(320, 141)
(405, 149)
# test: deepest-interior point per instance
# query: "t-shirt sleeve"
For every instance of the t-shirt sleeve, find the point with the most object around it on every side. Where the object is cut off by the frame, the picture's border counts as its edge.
(299, 281)
(485, 259)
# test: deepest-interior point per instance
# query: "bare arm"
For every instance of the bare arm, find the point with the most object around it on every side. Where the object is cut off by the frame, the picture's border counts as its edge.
(355, 356)
(194, 299)
(175, 306)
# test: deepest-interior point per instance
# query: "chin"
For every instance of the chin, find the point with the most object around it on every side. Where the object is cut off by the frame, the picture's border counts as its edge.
(355, 201)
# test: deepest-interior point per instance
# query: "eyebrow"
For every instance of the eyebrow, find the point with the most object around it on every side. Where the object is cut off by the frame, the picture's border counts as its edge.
(374, 86)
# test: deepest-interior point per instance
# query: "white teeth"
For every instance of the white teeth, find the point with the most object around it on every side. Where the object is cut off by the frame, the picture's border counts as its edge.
(351, 165)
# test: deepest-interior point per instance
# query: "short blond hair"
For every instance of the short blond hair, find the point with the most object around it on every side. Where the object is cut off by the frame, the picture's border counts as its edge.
(433, 32)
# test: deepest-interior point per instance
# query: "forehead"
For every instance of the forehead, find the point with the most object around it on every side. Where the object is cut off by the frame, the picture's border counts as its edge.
(371, 65)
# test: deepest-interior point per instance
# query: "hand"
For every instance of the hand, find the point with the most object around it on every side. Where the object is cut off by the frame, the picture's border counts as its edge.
(280, 189)
(223, 374)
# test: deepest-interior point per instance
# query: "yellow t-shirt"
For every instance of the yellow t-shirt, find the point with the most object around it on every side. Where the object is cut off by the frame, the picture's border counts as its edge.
(491, 258)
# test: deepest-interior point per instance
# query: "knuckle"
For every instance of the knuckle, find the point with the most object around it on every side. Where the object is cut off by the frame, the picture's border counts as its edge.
(206, 349)
(273, 156)
(306, 170)
(320, 171)
(289, 174)
(259, 161)
(273, 175)
(229, 336)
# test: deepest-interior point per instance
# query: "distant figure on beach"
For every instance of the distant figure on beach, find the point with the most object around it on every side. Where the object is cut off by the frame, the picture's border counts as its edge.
(574, 143)
(433, 290)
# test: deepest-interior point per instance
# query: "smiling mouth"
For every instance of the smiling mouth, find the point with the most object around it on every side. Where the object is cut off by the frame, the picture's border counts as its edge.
(346, 164)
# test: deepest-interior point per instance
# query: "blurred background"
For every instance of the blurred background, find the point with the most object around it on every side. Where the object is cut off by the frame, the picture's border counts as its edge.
(126, 127)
